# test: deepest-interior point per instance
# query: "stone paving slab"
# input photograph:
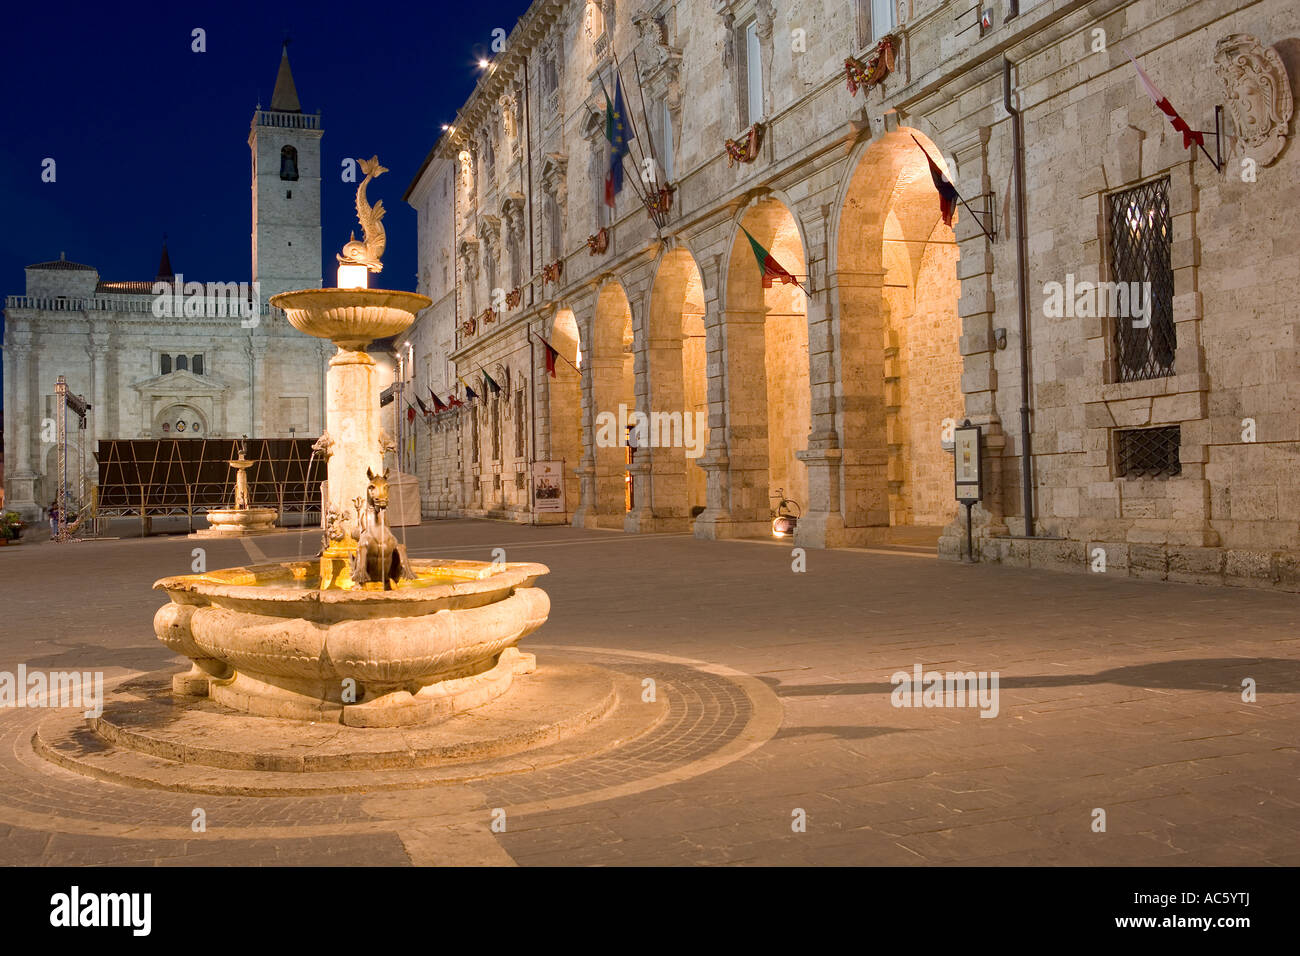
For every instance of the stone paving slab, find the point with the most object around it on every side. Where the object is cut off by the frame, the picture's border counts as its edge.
(1117, 694)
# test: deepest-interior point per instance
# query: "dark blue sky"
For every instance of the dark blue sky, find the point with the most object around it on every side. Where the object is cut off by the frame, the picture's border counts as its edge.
(151, 138)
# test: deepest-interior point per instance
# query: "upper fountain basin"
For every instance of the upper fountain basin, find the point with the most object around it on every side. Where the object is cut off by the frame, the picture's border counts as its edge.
(350, 317)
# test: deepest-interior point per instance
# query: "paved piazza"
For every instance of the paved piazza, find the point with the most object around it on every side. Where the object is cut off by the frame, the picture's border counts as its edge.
(775, 691)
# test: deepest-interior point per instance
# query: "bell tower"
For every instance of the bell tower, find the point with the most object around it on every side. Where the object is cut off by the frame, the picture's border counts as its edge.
(285, 143)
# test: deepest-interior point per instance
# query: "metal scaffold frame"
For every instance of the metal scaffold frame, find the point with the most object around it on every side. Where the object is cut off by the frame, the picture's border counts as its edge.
(184, 477)
(65, 401)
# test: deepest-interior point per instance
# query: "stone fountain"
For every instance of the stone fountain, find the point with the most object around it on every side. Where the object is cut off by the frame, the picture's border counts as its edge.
(363, 636)
(241, 519)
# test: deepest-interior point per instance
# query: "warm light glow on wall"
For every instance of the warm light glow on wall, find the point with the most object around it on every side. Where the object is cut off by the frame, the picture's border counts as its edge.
(353, 276)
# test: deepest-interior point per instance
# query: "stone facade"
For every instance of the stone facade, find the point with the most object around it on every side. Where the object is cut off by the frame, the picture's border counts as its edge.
(1163, 449)
(174, 357)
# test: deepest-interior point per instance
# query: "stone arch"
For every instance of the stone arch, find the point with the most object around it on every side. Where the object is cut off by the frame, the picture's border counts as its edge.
(176, 414)
(678, 400)
(613, 398)
(894, 287)
(564, 400)
(767, 412)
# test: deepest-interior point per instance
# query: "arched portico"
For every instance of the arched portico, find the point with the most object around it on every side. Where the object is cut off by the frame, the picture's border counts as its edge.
(564, 402)
(608, 381)
(891, 311)
(762, 395)
(677, 393)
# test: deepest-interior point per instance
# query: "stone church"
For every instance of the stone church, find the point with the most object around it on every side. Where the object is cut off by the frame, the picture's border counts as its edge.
(174, 356)
(929, 180)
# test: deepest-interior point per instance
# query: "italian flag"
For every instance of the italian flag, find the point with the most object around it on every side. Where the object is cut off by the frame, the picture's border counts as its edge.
(772, 270)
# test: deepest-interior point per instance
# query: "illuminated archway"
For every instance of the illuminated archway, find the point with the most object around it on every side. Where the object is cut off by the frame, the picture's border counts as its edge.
(613, 397)
(564, 402)
(678, 391)
(767, 384)
(895, 287)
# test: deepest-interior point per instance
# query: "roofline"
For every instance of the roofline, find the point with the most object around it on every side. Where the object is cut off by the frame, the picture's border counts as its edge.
(538, 18)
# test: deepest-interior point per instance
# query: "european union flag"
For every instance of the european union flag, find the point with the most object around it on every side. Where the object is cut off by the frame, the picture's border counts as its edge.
(618, 132)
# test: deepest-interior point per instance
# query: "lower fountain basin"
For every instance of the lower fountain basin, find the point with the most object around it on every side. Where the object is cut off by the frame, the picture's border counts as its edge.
(268, 641)
(234, 522)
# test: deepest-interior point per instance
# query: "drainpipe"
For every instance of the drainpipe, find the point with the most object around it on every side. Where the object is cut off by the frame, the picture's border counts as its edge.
(1022, 293)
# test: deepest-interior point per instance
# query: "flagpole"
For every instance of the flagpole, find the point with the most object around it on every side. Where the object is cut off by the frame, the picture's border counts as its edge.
(636, 133)
(556, 351)
(643, 191)
(636, 67)
(636, 179)
(965, 205)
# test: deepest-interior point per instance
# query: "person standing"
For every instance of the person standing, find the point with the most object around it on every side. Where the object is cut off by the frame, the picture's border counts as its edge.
(54, 519)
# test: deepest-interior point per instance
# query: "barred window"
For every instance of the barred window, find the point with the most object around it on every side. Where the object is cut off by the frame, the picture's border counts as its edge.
(1141, 239)
(1147, 452)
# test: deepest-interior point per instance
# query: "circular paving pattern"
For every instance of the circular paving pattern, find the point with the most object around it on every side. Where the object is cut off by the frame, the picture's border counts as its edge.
(702, 717)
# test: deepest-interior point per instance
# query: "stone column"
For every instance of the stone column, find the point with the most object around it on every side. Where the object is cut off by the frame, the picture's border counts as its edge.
(641, 518)
(977, 310)
(20, 493)
(584, 515)
(736, 460)
(99, 410)
(856, 302)
(353, 426)
(99, 360)
(608, 461)
(257, 389)
(664, 499)
(822, 524)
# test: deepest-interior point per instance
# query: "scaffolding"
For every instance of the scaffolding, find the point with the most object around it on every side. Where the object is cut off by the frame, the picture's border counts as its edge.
(65, 529)
(185, 477)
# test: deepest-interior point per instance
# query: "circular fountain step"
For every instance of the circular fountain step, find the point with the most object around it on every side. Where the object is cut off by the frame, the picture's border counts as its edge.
(147, 738)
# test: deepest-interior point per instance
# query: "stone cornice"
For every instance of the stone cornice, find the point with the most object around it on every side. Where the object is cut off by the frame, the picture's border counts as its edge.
(532, 27)
(1029, 33)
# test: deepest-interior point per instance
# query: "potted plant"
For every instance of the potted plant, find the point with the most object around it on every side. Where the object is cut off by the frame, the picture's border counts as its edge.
(11, 527)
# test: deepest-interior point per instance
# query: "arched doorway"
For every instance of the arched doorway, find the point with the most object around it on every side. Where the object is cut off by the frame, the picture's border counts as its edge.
(764, 324)
(900, 378)
(613, 397)
(678, 391)
(564, 402)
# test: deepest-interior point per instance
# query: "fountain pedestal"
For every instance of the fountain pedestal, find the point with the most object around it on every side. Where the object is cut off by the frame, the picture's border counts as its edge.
(416, 641)
(301, 639)
(242, 519)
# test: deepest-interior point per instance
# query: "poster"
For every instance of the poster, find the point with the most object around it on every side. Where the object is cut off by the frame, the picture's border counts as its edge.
(967, 463)
(548, 487)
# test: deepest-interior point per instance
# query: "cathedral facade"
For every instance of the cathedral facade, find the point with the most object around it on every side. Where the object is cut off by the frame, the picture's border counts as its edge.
(846, 229)
(173, 356)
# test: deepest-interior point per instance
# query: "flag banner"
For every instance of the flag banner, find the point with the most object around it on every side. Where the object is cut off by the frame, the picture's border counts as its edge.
(771, 269)
(453, 401)
(469, 392)
(551, 356)
(410, 412)
(617, 134)
(424, 409)
(491, 383)
(1180, 125)
(438, 405)
(947, 191)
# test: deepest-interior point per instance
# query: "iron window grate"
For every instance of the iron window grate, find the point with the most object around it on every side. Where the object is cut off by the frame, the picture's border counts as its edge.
(1141, 240)
(1148, 452)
